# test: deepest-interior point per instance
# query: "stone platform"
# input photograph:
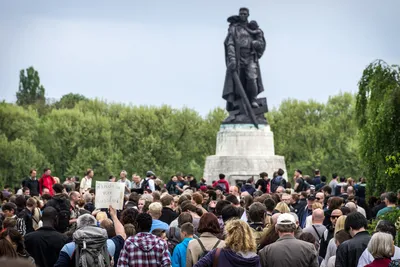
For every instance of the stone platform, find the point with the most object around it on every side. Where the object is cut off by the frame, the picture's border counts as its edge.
(243, 151)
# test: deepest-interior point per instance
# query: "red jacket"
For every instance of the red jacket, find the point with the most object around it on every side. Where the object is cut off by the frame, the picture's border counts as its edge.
(46, 181)
(222, 183)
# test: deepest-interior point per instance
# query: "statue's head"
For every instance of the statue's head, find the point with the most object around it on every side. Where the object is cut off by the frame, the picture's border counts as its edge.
(244, 14)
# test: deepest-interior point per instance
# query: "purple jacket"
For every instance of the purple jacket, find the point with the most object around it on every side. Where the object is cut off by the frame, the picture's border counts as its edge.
(228, 257)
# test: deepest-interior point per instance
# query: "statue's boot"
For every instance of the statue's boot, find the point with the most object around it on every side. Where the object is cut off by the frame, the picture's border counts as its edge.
(252, 92)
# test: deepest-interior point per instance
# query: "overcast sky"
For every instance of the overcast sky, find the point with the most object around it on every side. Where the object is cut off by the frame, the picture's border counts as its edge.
(171, 52)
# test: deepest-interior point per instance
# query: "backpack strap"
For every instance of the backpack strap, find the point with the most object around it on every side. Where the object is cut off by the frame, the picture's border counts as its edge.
(216, 257)
(216, 244)
(201, 245)
(315, 229)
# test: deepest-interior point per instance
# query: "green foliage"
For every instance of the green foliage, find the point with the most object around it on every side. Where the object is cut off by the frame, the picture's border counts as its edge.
(69, 101)
(30, 90)
(393, 162)
(106, 138)
(314, 135)
(16, 158)
(378, 114)
(393, 217)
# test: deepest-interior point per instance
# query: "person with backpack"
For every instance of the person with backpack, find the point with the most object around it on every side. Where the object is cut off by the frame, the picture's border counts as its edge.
(148, 182)
(199, 247)
(179, 255)
(91, 246)
(278, 181)
(61, 203)
(222, 183)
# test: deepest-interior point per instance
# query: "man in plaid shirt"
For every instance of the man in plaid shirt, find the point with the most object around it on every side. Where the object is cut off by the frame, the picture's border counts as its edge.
(144, 249)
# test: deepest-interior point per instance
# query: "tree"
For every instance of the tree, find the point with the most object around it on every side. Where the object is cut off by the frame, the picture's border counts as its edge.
(16, 158)
(313, 135)
(378, 114)
(69, 101)
(30, 90)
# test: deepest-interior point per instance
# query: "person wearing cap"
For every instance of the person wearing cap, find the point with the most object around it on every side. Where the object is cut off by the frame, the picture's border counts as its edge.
(287, 250)
(300, 184)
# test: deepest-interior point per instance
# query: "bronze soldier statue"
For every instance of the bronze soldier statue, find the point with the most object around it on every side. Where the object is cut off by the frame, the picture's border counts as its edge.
(244, 46)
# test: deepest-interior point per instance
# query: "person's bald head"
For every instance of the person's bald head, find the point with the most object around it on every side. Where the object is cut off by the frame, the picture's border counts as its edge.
(335, 216)
(233, 190)
(320, 197)
(275, 217)
(318, 216)
(351, 206)
(337, 212)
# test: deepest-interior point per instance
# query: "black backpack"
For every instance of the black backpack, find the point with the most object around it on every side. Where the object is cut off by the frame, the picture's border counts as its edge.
(145, 184)
(204, 249)
(62, 206)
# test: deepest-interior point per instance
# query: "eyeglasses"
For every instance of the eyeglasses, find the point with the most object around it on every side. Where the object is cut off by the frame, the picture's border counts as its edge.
(334, 217)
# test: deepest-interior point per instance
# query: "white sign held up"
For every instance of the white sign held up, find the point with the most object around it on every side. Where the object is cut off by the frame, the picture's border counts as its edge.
(108, 193)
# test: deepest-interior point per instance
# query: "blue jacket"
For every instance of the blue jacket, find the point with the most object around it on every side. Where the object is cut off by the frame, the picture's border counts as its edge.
(179, 255)
(249, 188)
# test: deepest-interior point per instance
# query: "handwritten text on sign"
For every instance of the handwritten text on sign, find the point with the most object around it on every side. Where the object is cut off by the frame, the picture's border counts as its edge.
(109, 194)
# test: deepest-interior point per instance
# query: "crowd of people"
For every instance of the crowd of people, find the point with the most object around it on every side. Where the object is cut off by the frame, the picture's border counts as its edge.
(258, 222)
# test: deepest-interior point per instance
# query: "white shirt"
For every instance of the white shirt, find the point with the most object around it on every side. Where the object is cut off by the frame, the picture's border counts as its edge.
(366, 257)
(308, 221)
(331, 262)
(362, 211)
(152, 185)
(86, 183)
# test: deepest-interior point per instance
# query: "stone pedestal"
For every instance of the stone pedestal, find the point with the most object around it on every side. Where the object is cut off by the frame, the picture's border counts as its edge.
(243, 151)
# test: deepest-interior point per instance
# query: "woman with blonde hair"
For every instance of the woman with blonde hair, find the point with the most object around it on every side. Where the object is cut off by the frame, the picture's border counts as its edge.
(240, 248)
(282, 207)
(381, 248)
(332, 247)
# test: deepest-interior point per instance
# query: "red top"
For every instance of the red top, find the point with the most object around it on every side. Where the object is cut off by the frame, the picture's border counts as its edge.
(379, 263)
(46, 181)
(222, 182)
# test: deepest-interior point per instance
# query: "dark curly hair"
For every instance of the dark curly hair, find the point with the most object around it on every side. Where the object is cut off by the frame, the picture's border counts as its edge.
(129, 216)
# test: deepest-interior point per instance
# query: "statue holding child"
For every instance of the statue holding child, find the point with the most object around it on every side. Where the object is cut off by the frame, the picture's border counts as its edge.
(244, 46)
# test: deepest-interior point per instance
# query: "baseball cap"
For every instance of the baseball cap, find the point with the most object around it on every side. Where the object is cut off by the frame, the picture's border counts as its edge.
(286, 219)
(150, 173)
(311, 197)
